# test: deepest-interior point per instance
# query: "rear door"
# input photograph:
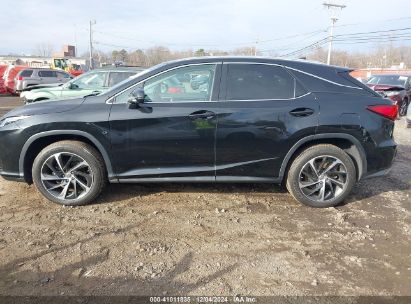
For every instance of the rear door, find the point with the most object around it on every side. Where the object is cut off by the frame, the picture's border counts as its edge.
(47, 76)
(264, 112)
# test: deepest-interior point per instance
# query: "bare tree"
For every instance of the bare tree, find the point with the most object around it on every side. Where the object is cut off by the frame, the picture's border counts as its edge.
(43, 49)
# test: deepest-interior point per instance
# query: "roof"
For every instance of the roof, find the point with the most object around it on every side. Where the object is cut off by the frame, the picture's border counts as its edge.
(280, 61)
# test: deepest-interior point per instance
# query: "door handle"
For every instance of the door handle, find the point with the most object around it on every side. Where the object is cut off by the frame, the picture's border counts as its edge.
(202, 114)
(302, 112)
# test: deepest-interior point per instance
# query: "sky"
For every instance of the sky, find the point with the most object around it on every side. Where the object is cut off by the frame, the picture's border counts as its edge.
(281, 27)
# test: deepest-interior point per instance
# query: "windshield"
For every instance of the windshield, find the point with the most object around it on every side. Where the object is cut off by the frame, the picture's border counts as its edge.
(92, 80)
(395, 80)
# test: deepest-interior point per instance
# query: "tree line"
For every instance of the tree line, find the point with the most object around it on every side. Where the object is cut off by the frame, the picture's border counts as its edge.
(382, 56)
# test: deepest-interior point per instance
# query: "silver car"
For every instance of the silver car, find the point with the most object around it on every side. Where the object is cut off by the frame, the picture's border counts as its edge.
(408, 118)
(38, 76)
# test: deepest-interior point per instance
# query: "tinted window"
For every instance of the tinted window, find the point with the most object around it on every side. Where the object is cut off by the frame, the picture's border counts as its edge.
(93, 80)
(258, 81)
(116, 77)
(26, 73)
(47, 74)
(182, 84)
(177, 85)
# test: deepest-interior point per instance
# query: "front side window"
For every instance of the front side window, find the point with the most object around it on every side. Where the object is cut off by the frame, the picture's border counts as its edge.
(190, 83)
(62, 75)
(259, 81)
(93, 80)
(116, 77)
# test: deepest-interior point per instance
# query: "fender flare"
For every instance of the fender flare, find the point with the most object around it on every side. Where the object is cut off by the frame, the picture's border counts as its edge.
(361, 159)
(37, 136)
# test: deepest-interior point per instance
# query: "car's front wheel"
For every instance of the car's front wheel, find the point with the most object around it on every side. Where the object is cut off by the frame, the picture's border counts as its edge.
(69, 173)
(321, 176)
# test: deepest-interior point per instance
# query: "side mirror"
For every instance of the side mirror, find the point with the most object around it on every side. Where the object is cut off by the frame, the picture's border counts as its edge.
(136, 97)
(72, 86)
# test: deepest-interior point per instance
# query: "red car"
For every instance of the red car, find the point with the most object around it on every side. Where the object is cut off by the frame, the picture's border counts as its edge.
(3, 68)
(10, 75)
(395, 87)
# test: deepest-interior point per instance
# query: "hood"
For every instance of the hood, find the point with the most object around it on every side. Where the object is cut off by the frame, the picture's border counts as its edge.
(46, 107)
(384, 87)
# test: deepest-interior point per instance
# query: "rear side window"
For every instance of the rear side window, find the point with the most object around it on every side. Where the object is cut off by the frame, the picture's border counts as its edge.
(47, 74)
(26, 73)
(259, 81)
(116, 77)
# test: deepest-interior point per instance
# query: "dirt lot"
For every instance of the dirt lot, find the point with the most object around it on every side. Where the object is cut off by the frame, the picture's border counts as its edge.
(209, 240)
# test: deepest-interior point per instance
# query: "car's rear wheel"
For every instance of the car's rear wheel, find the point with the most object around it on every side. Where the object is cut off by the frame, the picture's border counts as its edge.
(403, 108)
(321, 176)
(69, 173)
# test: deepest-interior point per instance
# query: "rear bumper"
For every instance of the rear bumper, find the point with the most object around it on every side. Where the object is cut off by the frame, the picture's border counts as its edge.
(380, 161)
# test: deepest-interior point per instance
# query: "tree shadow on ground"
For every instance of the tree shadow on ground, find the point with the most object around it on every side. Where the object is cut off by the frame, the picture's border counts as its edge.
(17, 281)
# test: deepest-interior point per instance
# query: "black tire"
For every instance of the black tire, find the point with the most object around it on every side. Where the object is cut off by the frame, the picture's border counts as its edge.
(88, 154)
(403, 109)
(293, 178)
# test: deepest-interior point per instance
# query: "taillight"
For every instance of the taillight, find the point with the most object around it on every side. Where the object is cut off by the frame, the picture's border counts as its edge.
(19, 78)
(388, 111)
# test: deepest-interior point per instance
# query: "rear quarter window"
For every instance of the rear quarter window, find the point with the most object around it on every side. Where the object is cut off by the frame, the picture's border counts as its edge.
(26, 73)
(260, 81)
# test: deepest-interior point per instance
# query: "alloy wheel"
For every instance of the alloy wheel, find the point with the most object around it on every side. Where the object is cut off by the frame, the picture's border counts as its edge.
(66, 176)
(323, 178)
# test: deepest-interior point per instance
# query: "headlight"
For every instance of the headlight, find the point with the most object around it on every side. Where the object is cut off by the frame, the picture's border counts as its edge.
(9, 120)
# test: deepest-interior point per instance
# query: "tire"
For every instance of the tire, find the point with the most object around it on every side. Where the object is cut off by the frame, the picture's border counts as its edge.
(403, 109)
(336, 184)
(69, 173)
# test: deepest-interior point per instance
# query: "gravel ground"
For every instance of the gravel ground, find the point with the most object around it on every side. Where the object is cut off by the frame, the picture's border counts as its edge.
(209, 240)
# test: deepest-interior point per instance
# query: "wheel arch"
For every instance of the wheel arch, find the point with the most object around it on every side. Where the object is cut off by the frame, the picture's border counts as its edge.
(39, 141)
(347, 142)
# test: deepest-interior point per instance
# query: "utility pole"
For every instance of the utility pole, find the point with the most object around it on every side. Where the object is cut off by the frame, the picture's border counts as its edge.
(92, 22)
(255, 48)
(333, 7)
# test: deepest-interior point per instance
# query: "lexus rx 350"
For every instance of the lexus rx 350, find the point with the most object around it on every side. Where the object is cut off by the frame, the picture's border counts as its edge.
(311, 126)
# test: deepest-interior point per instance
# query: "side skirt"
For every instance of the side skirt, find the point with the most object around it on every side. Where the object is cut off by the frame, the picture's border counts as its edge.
(197, 179)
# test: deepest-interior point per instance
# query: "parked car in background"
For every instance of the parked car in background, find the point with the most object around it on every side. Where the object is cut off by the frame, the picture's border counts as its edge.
(408, 118)
(395, 87)
(3, 68)
(10, 77)
(93, 82)
(38, 76)
(258, 121)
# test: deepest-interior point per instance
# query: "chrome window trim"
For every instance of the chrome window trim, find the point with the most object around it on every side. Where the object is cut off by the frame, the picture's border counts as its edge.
(268, 99)
(110, 100)
(294, 69)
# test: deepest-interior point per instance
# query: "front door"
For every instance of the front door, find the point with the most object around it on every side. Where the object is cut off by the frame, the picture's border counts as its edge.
(171, 136)
(264, 111)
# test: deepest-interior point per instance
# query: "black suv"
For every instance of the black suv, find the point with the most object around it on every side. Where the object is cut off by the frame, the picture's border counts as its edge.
(309, 125)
